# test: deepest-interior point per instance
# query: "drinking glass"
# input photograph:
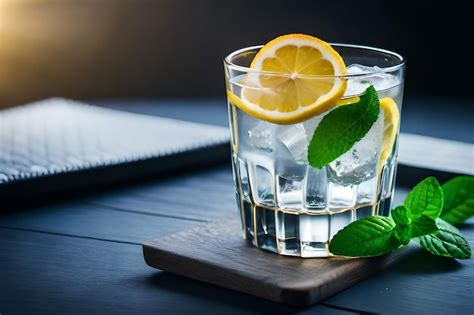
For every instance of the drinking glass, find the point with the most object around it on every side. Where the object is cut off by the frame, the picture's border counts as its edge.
(284, 204)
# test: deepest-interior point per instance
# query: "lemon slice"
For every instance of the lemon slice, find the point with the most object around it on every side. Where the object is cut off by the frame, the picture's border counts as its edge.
(296, 77)
(391, 121)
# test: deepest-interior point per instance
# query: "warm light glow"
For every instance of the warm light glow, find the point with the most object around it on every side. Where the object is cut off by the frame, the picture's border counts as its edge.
(47, 45)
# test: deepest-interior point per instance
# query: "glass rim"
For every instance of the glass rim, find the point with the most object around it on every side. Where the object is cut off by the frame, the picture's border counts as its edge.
(228, 62)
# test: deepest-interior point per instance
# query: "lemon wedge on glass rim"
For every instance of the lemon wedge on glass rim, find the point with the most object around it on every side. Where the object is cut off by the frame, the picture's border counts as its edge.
(295, 77)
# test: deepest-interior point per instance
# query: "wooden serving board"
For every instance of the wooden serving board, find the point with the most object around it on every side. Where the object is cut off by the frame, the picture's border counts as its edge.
(216, 253)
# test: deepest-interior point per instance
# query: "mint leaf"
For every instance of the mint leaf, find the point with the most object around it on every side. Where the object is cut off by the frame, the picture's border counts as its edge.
(402, 233)
(400, 215)
(342, 128)
(425, 198)
(370, 236)
(418, 227)
(458, 199)
(446, 242)
(422, 226)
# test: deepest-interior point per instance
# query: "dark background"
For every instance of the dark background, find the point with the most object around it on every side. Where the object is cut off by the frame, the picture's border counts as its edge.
(164, 57)
(89, 49)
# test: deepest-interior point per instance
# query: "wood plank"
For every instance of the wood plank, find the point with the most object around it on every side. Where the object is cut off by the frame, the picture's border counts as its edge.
(200, 195)
(94, 222)
(421, 156)
(217, 254)
(436, 154)
(49, 274)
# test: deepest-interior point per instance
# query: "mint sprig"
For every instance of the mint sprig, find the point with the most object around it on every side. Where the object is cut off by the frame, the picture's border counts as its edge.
(342, 128)
(406, 228)
(417, 219)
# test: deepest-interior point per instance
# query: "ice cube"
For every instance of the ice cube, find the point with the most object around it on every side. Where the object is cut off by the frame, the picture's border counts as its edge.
(296, 138)
(360, 162)
(262, 136)
(375, 76)
(295, 141)
(357, 69)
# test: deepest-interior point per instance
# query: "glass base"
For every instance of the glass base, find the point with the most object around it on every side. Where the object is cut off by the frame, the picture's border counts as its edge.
(298, 233)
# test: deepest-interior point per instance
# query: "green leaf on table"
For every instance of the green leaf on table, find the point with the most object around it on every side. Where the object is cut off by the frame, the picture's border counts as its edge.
(422, 226)
(446, 242)
(458, 199)
(418, 227)
(400, 215)
(342, 128)
(371, 236)
(402, 233)
(426, 198)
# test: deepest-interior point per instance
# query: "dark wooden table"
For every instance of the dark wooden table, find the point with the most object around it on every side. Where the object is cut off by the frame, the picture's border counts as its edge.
(83, 255)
